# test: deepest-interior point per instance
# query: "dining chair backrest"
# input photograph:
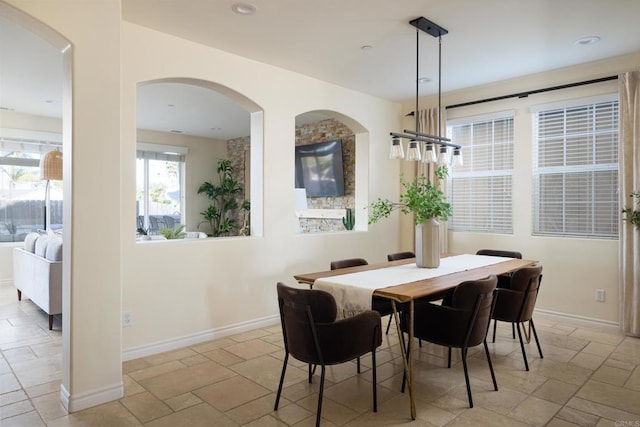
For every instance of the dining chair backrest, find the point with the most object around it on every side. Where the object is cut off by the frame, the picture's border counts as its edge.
(526, 281)
(300, 310)
(497, 252)
(476, 299)
(400, 255)
(350, 262)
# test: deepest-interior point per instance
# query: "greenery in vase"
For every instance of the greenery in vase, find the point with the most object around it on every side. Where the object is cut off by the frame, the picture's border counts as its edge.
(421, 197)
(223, 196)
(631, 215)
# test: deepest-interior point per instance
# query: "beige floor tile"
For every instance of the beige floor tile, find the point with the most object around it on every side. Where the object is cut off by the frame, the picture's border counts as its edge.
(199, 415)
(619, 364)
(39, 371)
(599, 410)
(578, 417)
(49, 406)
(183, 401)
(185, 380)
(332, 411)
(29, 419)
(535, 411)
(567, 373)
(19, 354)
(131, 387)
(212, 345)
(266, 421)
(107, 415)
(250, 335)
(223, 357)
(589, 361)
(599, 349)
(484, 396)
(134, 365)
(633, 382)
(485, 417)
(12, 397)
(155, 370)
(609, 395)
(16, 408)
(41, 389)
(252, 349)
(357, 394)
(261, 407)
(598, 336)
(266, 372)
(290, 414)
(630, 346)
(169, 356)
(9, 383)
(556, 391)
(557, 422)
(610, 375)
(230, 393)
(145, 406)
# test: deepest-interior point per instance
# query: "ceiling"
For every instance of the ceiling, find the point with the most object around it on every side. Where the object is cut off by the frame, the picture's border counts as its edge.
(488, 41)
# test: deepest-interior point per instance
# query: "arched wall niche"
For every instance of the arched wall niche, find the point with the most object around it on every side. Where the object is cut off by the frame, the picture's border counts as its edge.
(209, 114)
(324, 213)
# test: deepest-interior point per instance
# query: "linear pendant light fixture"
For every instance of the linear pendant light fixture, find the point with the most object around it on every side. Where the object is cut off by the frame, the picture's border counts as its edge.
(419, 139)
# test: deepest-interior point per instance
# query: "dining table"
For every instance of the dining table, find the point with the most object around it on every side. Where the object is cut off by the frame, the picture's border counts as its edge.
(403, 282)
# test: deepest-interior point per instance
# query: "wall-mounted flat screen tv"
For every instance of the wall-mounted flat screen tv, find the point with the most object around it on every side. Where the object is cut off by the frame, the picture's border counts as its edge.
(319, 168)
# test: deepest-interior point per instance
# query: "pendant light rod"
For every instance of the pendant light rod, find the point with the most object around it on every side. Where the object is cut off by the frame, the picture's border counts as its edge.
(419, 136)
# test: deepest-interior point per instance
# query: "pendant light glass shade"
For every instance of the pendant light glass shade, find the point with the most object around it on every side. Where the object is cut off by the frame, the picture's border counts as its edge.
(413, 150)
(429, 155)
(396, 151)
(456, 160)
(443, 157)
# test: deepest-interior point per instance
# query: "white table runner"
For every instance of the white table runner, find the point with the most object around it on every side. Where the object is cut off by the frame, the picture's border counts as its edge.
(353, 291)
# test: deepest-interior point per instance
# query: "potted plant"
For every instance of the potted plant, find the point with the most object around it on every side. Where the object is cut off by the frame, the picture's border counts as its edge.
(223, 195)
(429, 205)
(631, 215)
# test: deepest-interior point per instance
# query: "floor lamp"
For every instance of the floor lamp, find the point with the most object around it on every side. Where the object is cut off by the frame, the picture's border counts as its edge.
(51, 170)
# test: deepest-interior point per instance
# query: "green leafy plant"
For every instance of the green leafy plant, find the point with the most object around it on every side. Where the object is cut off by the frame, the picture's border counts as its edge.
(142, 231)
(349, 220)
(224, 198)
(421, 197)
(633, 215)
(177, 232)
(11, 228)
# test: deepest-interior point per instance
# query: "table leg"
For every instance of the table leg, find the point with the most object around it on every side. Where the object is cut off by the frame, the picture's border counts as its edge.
(408, 362)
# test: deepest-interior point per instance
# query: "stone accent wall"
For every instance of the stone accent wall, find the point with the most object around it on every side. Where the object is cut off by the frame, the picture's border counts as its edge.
(238, 150)
(326, 130)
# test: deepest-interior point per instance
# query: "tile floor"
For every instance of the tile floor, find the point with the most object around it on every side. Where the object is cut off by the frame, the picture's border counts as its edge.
(588, 377)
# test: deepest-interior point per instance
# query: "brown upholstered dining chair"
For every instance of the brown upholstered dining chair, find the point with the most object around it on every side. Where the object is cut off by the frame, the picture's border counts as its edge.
(515, 304)
(381, 305)
(400, 255)
(312, 335)
(503, 279)
(461, 324)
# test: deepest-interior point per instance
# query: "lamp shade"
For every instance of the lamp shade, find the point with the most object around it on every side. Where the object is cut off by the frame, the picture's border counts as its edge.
(51, 166)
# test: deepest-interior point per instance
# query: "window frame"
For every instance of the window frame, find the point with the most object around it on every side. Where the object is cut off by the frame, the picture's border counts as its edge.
(588, 170)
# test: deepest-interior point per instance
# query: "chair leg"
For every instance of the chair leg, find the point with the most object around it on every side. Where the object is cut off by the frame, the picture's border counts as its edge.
(358, 363)
(404, 374)
(494, 330)
(284, 368)
(524, 353)
(51, 322)
(535, 335)
(449, 359)
(375, 388)
(389, 324)
(19, 295)
(318, 415)
(463, 352)
(311, 370)
(513, 331)
(493, 375)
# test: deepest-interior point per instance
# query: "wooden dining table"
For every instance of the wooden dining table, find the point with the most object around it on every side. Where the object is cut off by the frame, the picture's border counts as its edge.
(421, 288)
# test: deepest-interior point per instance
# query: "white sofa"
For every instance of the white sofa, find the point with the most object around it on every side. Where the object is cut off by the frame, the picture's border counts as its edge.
(37, 272)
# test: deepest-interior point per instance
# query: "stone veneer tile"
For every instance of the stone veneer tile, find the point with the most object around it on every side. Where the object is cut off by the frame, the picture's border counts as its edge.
(145, 406)
(556, 391)
(230, 393)
(535, 411)
(199, 415)
(611, 375)
(616, 397)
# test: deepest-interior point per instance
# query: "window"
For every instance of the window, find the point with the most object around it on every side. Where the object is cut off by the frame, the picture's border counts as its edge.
(159, 186)
(480, 190)
(22, 192)
(575, 169)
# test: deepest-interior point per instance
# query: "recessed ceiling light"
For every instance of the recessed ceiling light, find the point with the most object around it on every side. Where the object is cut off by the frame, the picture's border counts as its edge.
(424, 80)
(583, 41)
(175, 131)
(170, 105)
(243, 8)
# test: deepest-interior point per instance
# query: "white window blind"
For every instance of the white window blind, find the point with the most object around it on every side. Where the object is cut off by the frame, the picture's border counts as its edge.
(575, 170)
(480, 192)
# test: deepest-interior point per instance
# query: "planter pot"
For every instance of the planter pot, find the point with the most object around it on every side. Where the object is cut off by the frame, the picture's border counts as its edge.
(428, 244)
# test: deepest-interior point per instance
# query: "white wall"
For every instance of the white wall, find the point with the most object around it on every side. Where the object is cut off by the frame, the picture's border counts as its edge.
(573, 267)
(179, 289)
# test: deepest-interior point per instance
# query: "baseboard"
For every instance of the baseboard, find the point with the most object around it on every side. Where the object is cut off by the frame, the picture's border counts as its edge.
(91, 398)
(581, 320)
(197, 338)
(6, 282)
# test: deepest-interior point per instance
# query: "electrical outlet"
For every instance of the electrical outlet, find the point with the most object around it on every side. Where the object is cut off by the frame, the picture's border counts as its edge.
(127, 319)
(600, 295)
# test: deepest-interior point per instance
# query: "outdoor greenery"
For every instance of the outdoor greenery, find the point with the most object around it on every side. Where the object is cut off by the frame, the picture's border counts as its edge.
(421, 197)
(631, 215)
(224, 201)
(176, 232)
